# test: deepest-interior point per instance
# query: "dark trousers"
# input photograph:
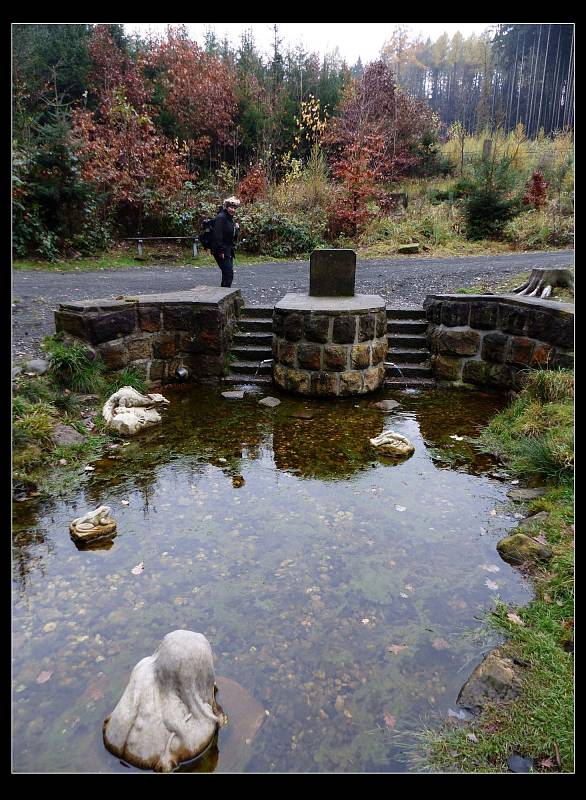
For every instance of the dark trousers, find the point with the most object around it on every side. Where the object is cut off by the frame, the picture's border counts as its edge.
(226, 265)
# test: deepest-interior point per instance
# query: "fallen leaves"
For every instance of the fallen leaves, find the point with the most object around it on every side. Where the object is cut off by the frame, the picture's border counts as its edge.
(492, 585)
(440, 644)
(397, 648)
(400, 508)
(489, 567)
(138, 569)
(44, 676)
(515, 618)
(390, 720)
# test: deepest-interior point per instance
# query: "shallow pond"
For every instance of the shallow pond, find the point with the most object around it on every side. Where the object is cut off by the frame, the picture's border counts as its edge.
(343, 594)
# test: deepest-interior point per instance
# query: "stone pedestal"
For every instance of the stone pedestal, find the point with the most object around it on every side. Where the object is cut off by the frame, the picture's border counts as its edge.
(329, 346)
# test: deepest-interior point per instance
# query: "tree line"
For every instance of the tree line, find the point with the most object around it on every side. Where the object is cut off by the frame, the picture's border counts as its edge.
(516, 73)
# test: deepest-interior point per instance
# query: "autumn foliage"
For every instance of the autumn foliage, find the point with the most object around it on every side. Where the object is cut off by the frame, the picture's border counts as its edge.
(254, 185)
(536, 191)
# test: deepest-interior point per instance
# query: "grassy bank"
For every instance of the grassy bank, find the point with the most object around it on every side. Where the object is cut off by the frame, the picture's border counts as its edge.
(70, 393)
(534, 438)
(120, 258)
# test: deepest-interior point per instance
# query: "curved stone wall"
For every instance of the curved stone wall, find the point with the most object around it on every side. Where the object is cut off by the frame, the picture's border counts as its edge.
(329, 347)
(485, 340)
(154, 335)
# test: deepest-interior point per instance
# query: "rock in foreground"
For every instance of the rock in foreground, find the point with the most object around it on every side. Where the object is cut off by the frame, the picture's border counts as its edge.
(168, 713)
(519, 548)
(390, 443)
(494, 680)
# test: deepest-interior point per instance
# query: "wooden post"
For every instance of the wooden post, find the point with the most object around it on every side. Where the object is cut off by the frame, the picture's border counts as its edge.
(195, 248)
(486, 148)
(140, 248)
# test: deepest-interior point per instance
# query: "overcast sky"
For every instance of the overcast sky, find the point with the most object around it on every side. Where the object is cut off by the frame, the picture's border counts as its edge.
(353, 39)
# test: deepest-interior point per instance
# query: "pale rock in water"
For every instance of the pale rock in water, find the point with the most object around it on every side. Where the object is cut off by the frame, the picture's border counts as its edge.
(168, 713)
(391, 443)
(93, 525)
(128, 411)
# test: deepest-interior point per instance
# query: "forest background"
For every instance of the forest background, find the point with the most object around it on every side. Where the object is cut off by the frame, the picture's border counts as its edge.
(118, 136)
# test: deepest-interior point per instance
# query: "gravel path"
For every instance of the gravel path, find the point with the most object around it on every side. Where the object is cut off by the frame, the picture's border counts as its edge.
(402, 282)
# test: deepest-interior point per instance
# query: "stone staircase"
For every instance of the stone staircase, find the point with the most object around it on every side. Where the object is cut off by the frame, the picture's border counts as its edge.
(406, 332)
(251, 345)
(407, 336)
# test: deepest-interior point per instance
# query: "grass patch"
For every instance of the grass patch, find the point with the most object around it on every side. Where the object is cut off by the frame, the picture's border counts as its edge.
(73, 367)
(115, 260)
(125, 377)
(534, 437)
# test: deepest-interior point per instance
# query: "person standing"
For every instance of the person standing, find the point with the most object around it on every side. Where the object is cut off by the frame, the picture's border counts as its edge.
(224, 237)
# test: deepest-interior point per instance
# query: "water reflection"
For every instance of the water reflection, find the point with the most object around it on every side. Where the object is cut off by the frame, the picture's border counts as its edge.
(340, 594)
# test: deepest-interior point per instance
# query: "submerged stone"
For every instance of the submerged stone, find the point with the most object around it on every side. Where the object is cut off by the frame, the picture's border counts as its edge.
(385, 405)
(237, 395)
(269, 402)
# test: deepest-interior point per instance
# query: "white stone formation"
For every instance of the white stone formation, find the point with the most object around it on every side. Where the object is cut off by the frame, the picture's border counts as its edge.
(394, 444)
(128, 411)
(93, 525)
(168, 713)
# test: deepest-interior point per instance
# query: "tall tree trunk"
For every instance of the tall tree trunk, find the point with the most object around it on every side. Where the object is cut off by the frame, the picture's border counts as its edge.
(554, 101)
(543, 79)
(520, 82)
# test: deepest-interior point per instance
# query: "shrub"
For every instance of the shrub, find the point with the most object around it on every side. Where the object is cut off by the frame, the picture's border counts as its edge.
(270, 232)
(487, 212)
(32, 422)
(73, 367)
(253, 186)
(536, 191)
(539, 228)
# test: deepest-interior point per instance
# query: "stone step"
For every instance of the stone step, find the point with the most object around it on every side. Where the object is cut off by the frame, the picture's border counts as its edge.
(408, 326)
(251, 353)
(416, 312)
(409, 383)
(265, 312)
(253, 325)
(249, 368)
(410, 355)
(255, 338)
(400, 341)
(240, 380)
(409, 371)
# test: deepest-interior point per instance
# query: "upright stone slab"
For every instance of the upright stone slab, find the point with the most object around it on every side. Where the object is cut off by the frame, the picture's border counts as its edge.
(332, 273)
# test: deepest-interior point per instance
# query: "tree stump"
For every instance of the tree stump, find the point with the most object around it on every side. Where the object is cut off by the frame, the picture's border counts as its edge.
(543, 281)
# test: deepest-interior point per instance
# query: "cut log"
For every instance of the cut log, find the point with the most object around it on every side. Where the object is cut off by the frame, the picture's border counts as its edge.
(543, 281)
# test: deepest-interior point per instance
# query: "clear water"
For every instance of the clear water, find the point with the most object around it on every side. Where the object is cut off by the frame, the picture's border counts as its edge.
(342, 593)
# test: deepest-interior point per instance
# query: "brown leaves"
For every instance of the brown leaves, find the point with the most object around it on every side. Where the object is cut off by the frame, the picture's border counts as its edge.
(515, 618)
(138, 569)
(44, 676)
(397, 648)
(440, 644)
(390, 720)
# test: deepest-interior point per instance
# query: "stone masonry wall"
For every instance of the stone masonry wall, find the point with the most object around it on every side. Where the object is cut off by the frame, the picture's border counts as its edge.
(485, 340)
(323, 353)
(154, 335)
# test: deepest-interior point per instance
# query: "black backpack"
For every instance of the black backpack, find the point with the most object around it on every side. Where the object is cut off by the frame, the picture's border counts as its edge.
(205, 235)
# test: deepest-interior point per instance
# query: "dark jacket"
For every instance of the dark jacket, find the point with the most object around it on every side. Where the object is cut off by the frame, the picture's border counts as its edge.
(224, 234)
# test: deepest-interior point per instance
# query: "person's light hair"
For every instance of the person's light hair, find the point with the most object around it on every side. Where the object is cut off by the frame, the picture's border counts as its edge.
(231, 201)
